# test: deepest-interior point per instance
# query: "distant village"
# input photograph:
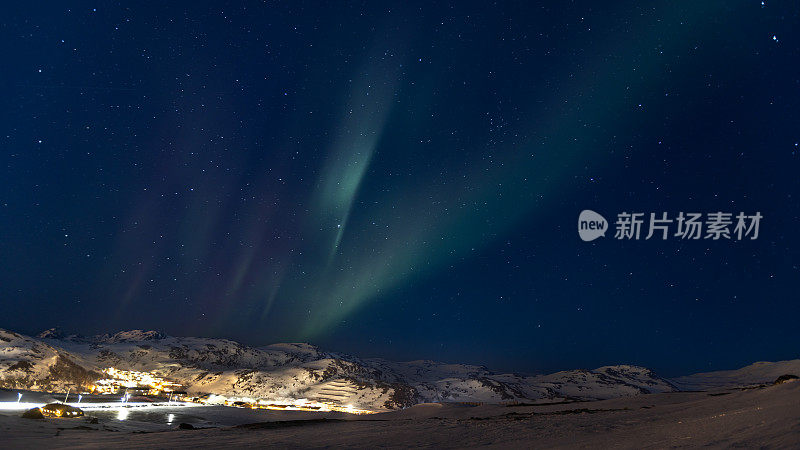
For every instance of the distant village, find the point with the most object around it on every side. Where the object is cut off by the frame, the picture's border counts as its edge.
(133, 383)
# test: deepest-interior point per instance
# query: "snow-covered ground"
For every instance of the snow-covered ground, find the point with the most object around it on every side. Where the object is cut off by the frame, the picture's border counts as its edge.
(759, 417)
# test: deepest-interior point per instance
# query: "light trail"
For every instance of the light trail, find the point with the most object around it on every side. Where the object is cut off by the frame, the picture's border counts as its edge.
(14, 406)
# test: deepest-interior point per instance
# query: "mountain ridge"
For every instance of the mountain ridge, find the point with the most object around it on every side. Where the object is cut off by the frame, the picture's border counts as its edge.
(290, 371)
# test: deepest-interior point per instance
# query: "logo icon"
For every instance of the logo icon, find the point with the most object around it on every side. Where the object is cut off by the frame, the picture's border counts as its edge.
(591, 225)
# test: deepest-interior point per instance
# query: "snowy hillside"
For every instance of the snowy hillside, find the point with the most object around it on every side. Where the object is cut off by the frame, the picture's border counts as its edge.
(30, 363)
(756, 373)
(293, 371)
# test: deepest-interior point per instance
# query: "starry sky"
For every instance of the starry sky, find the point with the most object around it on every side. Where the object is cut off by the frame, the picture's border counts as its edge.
(403, 179)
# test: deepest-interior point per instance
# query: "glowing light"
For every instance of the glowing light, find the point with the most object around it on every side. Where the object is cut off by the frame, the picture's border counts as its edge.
(288, 404)
(130, 379)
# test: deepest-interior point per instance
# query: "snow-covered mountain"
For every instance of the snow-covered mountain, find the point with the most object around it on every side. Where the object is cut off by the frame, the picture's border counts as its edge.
(32, 363)
(757, 373)
(291, 371)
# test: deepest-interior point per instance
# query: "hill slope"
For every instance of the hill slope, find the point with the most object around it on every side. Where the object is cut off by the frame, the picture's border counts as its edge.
(756, 373)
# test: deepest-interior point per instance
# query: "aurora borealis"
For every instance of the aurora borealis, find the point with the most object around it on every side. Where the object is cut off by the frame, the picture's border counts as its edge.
(402, 180)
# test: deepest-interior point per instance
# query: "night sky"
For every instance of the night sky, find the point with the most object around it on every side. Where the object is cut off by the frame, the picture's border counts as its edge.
(404, 180)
